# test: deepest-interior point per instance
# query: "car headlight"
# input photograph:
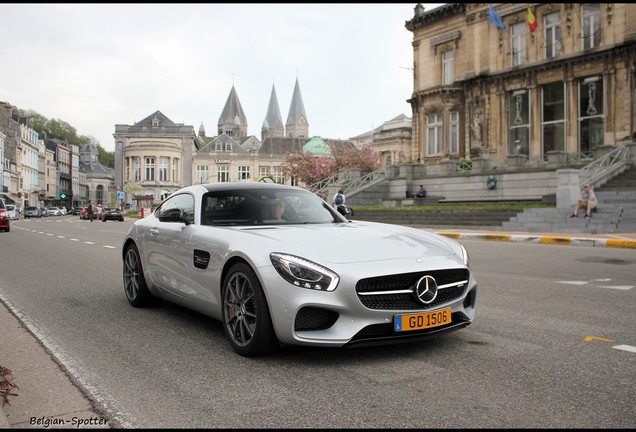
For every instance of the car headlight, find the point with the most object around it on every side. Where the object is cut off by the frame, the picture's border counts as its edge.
(465, 256)
(303, 273)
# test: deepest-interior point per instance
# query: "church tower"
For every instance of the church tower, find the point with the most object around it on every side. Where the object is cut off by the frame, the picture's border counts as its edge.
(297, 125)
(233, 121)
(273, 123)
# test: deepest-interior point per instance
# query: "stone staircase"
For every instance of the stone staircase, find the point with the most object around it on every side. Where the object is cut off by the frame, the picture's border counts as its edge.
(616, 212)
(468, 218)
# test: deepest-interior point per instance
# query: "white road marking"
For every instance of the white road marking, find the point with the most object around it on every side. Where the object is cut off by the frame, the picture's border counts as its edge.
(618, 287)
(625, 348)
(574, 282)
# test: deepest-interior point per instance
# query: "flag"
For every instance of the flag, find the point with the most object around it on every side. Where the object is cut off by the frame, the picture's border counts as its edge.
(532, 21)
(494, 18)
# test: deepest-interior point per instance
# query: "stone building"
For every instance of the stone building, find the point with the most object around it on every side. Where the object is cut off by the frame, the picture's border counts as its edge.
(153, 158)
(486, 84)
(233, 155)
(99, 179)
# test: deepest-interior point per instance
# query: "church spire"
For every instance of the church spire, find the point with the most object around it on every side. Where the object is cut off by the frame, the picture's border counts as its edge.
(297, 125)
(233, 121)
(273, 123)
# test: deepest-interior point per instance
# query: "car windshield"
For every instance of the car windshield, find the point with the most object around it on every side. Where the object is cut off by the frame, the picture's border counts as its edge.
(264, 206)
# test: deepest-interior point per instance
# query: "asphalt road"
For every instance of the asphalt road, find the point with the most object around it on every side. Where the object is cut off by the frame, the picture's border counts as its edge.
(542, 353)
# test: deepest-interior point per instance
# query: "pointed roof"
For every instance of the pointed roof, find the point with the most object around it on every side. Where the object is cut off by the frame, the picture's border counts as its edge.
(232, 110)
(273, 118)
(156, 119)
(297, 108)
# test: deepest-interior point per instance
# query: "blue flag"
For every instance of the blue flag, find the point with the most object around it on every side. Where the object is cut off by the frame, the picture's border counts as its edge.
(494, 18)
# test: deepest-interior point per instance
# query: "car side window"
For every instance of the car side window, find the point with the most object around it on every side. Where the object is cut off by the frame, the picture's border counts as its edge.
(184, 201)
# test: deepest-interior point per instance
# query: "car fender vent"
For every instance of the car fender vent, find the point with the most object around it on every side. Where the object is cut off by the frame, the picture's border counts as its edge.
(201, 259)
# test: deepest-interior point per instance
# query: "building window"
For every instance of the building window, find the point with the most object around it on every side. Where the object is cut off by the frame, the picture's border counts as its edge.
(218, 146)
(448, 61)
(224, 174)
(202, 173)
(454, 132)
(243, 172)
(591, 15)
(228, 146)
(175, 170)
(519, 123)
(263, 171)
(137, 169)
(99, 194)
(518, 43)
(591, 119)
(435, 135)
(553, 118)
(150, 169)
(552, 34)
(278, 175)
(163, 169)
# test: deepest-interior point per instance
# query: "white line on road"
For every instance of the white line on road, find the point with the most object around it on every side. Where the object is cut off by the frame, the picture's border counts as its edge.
(625, 348)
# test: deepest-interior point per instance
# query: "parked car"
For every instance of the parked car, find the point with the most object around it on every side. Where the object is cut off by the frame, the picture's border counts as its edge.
(308, 278)
(5, 220)
(55, 211)
(75, 211)
(63, 210)
(13, 212)
(32, 212)
(112, 213)
(44, 211)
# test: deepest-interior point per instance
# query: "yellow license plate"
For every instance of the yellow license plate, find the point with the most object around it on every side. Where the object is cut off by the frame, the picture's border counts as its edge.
(421, 321)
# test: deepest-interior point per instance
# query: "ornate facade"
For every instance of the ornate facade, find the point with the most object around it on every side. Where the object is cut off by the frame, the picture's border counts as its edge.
(486, 84)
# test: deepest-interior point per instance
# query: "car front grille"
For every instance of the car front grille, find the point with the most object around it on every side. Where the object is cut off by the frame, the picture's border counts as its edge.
(397, 292)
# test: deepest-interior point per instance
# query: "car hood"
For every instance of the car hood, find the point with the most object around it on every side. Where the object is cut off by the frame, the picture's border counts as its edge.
(352, 242)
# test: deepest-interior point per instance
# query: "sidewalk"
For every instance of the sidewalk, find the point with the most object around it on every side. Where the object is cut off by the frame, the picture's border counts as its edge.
(47, 394)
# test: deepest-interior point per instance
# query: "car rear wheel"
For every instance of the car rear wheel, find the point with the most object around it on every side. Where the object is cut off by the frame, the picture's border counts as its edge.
(246, 318)
(135, 285)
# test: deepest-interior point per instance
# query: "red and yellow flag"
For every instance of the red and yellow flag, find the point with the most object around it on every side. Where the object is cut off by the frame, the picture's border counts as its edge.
(532, 21)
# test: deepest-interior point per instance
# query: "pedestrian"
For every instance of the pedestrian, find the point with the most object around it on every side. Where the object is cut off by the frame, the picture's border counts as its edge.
(587, 200)
(89, 211)
(339, 202)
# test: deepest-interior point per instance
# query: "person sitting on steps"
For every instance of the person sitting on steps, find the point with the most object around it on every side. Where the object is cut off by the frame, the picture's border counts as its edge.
(587, 201)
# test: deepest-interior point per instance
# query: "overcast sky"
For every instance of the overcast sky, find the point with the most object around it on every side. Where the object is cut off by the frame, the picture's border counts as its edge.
(97, 65)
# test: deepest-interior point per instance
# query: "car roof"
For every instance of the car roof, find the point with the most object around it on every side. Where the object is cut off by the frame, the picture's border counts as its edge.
(213, 187)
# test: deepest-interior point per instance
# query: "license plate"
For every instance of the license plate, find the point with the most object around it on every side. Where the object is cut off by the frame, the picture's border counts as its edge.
(421, 321)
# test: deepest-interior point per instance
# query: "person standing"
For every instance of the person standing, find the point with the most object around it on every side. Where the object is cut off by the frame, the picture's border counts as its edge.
(89, 211)
(587, 201)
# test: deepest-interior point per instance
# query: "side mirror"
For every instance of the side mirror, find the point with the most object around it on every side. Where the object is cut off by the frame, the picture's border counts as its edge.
(172, 215)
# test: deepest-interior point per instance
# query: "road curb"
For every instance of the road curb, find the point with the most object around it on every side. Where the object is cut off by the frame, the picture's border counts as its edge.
(557, 240)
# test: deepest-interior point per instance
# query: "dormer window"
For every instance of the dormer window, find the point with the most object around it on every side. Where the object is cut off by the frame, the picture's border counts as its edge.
(155, 121)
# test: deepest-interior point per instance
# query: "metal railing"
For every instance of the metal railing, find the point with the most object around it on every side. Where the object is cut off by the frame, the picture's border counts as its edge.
(354, 185)
(600, 169)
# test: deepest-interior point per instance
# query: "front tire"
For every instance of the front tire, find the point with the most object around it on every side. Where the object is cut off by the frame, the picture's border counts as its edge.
(135, 285)
(246, 319)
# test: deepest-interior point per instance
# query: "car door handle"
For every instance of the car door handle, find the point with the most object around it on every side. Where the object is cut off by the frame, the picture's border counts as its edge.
(154, 231)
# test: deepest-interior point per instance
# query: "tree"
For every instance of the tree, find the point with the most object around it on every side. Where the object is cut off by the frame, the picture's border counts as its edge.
(308, 168)
(59, 129)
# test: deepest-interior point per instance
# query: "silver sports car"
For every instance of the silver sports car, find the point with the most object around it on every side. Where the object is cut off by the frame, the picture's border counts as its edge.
(277, 265)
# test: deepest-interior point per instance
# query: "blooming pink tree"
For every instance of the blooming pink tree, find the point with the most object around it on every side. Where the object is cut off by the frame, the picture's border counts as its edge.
(308, 168)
